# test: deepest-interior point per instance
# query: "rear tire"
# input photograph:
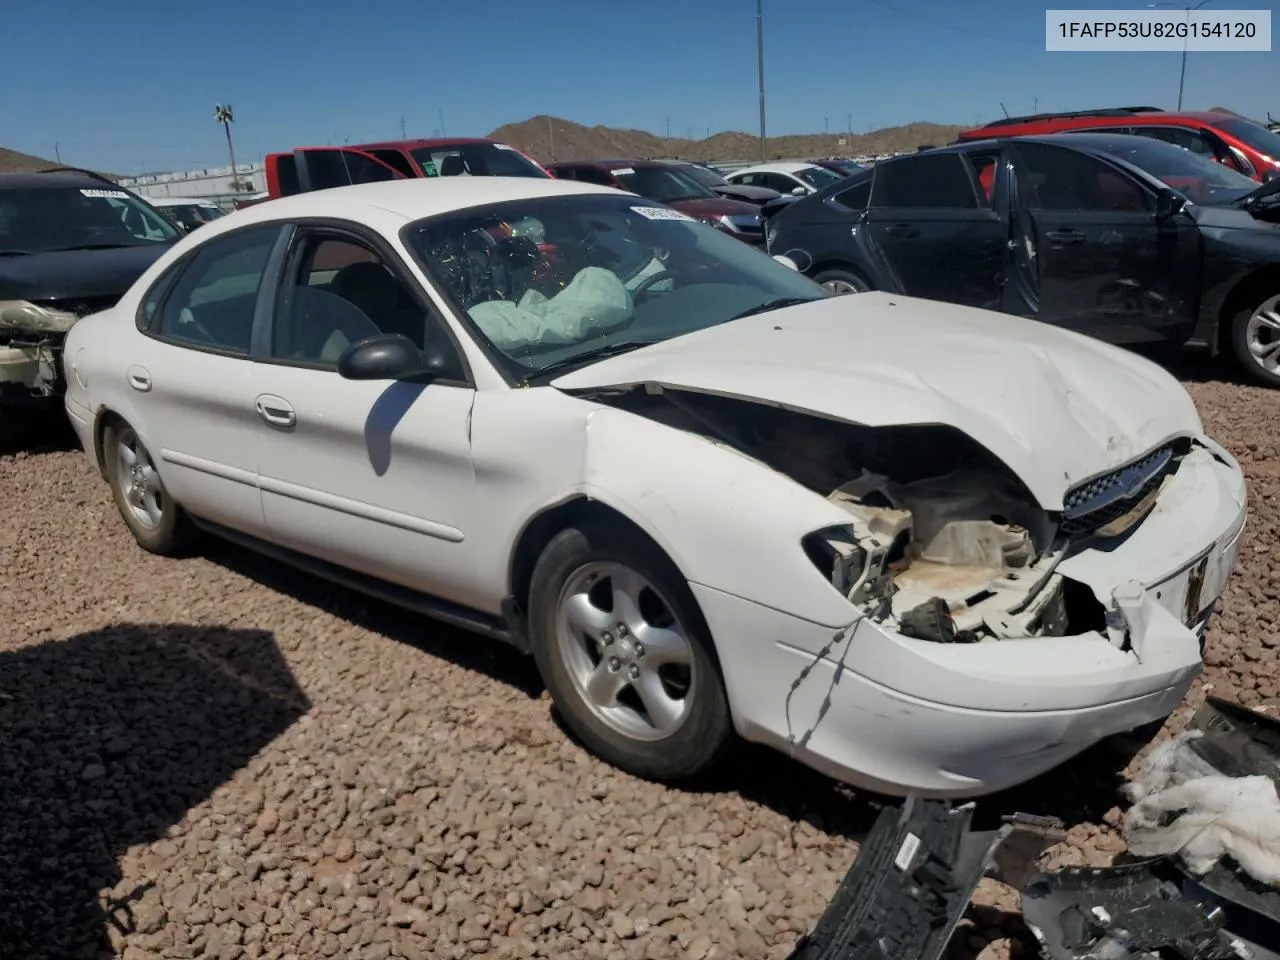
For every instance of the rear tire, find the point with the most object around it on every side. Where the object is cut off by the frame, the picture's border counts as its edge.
(1255, 340)
(841, 282)
(626, 655)
(152, 516)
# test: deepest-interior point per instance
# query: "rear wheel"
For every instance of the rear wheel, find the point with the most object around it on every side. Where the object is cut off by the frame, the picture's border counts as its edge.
(841, 281)
(625, 654)
(1255, 337)
(151, 515)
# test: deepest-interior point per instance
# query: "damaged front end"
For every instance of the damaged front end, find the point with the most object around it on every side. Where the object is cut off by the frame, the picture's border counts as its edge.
(944, 543)
(31, 338)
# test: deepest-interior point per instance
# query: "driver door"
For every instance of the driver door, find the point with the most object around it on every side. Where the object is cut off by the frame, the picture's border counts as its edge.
(375, 476)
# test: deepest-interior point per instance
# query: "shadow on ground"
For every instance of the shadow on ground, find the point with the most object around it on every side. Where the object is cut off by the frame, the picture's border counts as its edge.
(35, 431)
(106, 740)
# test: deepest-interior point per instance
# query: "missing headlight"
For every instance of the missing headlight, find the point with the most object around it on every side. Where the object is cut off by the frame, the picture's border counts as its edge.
(860, 568)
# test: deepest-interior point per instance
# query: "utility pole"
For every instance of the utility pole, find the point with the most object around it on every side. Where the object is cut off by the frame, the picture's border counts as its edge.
(668, 128)
(442, 131)
(826, 133)
(760, 68)
(551, 136)
(57, 154)
(402, 133)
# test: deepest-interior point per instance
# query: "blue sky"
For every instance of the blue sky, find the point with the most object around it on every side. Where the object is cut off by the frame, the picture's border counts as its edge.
(133, 89)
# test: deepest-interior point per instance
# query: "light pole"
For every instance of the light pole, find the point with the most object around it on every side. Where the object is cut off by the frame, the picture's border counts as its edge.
(1182, 73)
(760, 68)
(223, 114)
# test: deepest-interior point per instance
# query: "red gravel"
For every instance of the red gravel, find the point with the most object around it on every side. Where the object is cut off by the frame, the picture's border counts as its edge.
(212, 757)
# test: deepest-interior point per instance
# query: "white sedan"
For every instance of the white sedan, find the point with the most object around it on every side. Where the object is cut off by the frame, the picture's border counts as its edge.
(921, 547)
(789, 178)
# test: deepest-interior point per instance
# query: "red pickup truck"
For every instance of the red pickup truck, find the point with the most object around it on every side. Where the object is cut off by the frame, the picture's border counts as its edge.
(316, 168)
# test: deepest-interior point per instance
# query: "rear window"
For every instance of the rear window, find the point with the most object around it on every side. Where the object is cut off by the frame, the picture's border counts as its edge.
(476, 160)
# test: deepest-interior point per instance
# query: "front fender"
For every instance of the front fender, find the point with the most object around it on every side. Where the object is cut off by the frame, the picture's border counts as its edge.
(728, 522)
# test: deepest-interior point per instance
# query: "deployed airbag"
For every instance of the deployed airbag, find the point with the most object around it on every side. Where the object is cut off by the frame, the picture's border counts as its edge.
(594, 302)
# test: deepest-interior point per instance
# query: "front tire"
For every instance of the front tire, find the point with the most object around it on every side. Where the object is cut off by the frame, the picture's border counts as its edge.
(1255, 338)
(152, 516)
(626, 655)
(840, 282)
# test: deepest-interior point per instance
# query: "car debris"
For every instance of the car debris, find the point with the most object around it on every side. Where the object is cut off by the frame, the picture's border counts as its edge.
(921, 862)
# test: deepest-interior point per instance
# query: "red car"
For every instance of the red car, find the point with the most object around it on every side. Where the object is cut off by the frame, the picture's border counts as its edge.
(667, 184)
(1234, 141)
(316, 168)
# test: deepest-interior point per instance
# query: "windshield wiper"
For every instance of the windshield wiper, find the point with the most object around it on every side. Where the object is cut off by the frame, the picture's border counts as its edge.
(777, 304)
(602, 352)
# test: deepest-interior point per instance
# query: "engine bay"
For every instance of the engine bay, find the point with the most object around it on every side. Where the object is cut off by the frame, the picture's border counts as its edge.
(944, 543)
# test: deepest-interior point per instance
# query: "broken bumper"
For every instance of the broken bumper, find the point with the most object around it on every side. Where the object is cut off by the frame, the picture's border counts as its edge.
(898, 715)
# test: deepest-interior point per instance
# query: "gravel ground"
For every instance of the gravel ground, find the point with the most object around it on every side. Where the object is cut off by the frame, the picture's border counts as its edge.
(212, 757)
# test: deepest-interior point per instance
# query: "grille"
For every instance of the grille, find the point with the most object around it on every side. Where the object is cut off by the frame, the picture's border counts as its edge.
(1099, 501)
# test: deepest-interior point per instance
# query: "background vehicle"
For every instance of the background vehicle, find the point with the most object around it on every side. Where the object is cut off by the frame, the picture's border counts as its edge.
(187, 213)
(1125, 238)
(789, 179)
(71, 243)
(1236, 141)
(841, 165)
(664, 183)
(717, 184)
(678, 474)
(317, 168)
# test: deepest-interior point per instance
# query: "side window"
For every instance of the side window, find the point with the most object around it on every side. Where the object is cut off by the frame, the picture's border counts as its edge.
(340, 290)
(1061, 179)
(929, 180)
(565, 173)
(396, 160)
(748, 180)
(339, 168)
(212, 301)
(592, 175)
(780, 182)
(855, 198)
(1191, 140)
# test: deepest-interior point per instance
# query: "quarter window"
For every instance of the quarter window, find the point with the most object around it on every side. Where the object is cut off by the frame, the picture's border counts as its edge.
(855, 198)
(212, 303)
(343, 291)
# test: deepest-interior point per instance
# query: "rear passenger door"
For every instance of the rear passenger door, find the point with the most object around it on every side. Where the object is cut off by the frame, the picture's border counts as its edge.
(936, 231)
(192, 376)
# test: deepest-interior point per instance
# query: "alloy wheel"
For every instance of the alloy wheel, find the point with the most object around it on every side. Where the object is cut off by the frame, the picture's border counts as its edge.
(139, 481)
(1262, 335)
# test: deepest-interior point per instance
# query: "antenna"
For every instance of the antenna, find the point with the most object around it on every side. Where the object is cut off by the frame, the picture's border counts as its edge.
(440, 110)
(1002, 107)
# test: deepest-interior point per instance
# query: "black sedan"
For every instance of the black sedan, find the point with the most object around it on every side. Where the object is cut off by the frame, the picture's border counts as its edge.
(1125, 238)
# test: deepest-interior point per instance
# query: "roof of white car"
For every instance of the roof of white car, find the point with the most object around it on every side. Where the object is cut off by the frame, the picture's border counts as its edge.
(395, 202)
(790, 166)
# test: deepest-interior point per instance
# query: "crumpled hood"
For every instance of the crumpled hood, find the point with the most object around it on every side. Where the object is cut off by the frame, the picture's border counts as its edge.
(1057, 407)
(69, 274)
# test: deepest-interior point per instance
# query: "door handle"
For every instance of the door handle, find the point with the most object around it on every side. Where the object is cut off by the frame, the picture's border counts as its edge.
(902, 230)
(139, 378)
(276, 411)
(1065, 238)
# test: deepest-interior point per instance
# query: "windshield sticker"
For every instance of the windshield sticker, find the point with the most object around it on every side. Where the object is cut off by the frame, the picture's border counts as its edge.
(623, 171)
(661, 213)
(503, 146)
(429, 168)
(117, 194)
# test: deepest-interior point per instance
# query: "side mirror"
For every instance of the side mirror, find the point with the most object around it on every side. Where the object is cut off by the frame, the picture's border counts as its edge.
(1169, 204)
(799, 192)
(388, 356)
(786, 261)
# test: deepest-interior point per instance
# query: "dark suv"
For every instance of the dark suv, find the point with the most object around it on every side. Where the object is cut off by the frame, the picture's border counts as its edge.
(71, 243)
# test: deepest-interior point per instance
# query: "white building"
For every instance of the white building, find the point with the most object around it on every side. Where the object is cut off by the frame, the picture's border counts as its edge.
(214, 183)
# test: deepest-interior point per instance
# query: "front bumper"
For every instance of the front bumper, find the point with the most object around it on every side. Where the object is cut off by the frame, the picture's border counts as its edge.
(899, 715)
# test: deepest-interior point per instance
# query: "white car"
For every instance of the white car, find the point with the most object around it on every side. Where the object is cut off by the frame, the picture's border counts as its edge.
(924, 548)
(189, 212)
(789, 178)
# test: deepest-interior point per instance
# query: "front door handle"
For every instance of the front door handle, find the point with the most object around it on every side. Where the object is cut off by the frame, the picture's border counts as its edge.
(902, 230)
(276, 411)
(1065, 238)
(139, 378)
